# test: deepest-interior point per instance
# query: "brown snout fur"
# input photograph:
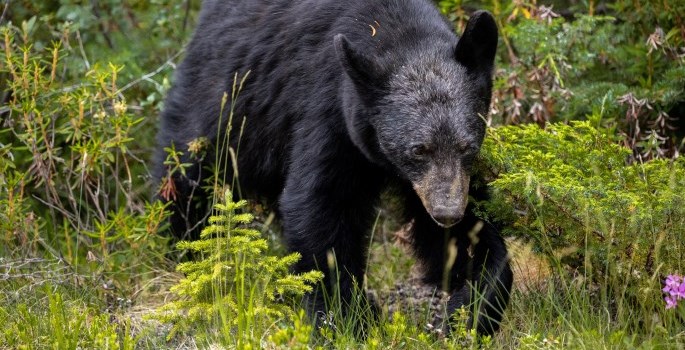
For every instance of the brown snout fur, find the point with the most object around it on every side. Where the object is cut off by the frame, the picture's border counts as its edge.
(444, 189)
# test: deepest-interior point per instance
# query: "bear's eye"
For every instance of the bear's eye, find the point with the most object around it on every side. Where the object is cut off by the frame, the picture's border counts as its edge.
(420, 151)
(469, 156)
(469, 159)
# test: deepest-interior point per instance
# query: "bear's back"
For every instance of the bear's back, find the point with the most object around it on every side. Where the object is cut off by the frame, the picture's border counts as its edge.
(294, 77)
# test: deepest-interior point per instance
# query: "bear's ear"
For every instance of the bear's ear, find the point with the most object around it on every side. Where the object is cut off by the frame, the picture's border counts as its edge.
(362, 69)
(477, 46)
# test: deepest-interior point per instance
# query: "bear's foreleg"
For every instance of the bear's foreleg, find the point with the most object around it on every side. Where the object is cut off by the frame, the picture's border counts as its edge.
(470, 261)
(485, 282)
(327, 209)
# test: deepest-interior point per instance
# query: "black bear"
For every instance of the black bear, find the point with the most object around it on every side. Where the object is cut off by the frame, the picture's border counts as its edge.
(344, 98)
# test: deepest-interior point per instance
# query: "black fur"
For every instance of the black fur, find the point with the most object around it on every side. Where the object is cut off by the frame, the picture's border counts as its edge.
(343, 98)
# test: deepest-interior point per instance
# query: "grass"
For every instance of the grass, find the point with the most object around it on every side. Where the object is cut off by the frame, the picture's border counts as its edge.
(549, 309)
(60, 317)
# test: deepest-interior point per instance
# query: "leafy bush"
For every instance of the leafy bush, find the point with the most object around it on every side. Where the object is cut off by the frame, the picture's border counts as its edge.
(235, 284)
(72, 180)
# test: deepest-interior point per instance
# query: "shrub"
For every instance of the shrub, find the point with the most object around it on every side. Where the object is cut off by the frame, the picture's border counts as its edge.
(571, 186)
(72, 180)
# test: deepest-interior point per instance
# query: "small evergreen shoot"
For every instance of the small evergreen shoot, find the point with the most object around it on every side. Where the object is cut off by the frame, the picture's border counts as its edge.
(235, 286)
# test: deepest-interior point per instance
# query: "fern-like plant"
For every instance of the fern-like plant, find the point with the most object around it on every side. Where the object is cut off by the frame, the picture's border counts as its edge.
(234, 287)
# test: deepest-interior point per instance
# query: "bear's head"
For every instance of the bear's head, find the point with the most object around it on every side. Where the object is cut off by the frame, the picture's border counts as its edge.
(420, 110)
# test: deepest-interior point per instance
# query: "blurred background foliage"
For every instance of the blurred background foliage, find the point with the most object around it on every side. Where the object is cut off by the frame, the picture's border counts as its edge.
(560, 60)
(588, 123)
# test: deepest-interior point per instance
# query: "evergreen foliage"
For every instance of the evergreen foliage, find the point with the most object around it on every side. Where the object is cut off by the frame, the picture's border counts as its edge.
(571, 186)
(235, 284)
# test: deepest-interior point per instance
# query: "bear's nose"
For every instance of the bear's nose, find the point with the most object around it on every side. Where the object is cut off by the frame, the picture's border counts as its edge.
(446, 216)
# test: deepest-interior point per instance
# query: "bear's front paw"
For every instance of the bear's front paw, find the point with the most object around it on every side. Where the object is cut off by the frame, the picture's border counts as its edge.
(459, 299)
(353, 314)
(483, 314)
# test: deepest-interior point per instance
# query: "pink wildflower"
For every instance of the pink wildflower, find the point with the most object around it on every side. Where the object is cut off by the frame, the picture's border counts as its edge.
(674, 287)
(671, 302)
